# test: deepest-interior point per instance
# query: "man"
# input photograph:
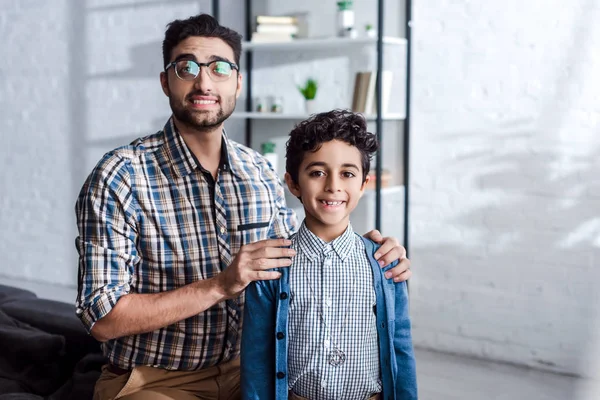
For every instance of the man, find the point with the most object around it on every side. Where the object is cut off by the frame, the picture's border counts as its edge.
(173, 227)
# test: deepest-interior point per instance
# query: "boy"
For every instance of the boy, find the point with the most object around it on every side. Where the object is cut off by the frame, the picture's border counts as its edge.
(332, 327)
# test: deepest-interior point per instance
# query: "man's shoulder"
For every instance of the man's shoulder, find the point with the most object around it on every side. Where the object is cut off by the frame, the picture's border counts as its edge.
(117, 163)
(133, 152)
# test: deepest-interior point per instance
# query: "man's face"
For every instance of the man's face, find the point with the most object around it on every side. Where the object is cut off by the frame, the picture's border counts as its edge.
(201, 104)
(329, 185)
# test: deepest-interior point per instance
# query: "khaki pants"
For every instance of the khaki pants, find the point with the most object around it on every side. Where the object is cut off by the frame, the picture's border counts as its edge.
(294, 396)
(221, 382)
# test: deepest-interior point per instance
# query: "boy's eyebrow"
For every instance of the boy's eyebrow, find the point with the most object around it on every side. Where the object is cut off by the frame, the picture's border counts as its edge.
(324, 164)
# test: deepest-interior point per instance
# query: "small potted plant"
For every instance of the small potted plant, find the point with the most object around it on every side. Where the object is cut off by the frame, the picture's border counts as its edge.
(309, 92)
(370, 31)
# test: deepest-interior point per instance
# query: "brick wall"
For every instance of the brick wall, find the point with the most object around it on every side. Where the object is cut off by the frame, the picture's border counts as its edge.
(506, 180)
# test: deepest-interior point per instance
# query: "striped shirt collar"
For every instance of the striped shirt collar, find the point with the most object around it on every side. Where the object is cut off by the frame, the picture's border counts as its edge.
(183, 161)
(313, 246)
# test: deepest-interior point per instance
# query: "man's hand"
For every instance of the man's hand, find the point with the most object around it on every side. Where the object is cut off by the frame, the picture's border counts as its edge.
(252, 263)
(389, 252)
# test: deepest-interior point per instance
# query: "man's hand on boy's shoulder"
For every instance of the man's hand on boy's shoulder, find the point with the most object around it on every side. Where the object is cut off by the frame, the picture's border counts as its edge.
(390, 251)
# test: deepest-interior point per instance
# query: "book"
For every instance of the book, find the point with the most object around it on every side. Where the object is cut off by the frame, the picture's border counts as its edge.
(364, 98)
(276, 19)
(277, 28)
(262, 37)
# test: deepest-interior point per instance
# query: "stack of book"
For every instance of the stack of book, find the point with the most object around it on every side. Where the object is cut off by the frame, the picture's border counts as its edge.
(364, 99)
(271, 28)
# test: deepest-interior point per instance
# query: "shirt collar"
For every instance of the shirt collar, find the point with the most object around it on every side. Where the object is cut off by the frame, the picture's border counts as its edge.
(183, 161)
(313, 246)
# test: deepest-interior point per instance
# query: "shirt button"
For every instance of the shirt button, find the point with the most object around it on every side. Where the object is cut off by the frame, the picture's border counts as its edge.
(327, 301)
(280, 335)
(326, 343)
(280, 375)
(283, 296)
(223, 230)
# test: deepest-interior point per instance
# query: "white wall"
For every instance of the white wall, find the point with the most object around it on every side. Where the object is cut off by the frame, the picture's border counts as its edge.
(506, 180)
(77, 78)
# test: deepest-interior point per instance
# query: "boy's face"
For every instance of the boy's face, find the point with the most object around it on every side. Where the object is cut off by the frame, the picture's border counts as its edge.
(329, 185)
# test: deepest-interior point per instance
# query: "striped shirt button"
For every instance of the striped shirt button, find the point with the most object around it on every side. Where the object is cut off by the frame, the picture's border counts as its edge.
(223, 230)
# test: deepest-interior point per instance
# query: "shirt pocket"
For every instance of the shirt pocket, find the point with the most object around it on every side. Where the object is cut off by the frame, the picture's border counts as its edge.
(252, 231)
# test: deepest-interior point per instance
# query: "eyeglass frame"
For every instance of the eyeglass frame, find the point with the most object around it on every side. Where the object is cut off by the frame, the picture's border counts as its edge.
(233, 66)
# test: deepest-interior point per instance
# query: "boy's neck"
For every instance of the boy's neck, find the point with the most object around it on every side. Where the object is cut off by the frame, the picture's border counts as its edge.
(327, 233)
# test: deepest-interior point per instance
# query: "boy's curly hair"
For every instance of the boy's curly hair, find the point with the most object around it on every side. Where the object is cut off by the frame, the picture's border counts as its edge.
(343, 125)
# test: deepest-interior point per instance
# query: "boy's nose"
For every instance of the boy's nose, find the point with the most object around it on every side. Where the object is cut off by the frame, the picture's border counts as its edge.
(333, 184)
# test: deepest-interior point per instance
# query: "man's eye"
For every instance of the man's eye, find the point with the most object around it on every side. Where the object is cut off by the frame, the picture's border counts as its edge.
(348, 174)
(317, 173)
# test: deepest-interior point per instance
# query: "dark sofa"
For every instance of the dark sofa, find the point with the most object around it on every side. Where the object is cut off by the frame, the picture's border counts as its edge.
(45, 352)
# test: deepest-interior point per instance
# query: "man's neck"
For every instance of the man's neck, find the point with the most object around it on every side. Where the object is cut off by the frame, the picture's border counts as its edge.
(205, 145)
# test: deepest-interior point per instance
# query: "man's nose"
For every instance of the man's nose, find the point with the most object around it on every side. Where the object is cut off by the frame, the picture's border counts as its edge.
(203, 81)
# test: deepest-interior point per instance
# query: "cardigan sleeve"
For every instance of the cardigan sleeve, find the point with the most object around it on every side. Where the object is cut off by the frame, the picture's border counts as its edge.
(406, 376)
(258, 342)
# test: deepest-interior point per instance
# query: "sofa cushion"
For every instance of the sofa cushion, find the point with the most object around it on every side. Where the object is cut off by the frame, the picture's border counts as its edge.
(10, 293)
(30, 358)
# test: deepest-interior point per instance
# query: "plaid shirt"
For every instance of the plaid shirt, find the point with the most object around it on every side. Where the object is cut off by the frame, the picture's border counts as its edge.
(334, 281)
(151, 219)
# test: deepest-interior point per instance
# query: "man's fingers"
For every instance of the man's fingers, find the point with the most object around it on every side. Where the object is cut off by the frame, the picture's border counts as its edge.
(375, 236)
(268, 263)
(400, 272)
(272, 252)
(251, 247)
(266, 275)
(390, 251)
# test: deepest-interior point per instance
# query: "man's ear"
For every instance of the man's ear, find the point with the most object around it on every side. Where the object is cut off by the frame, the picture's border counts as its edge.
(293, 186)
(164, 83)
(238, 91)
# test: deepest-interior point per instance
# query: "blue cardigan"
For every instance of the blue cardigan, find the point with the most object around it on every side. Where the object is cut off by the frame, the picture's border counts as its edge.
(264, 338)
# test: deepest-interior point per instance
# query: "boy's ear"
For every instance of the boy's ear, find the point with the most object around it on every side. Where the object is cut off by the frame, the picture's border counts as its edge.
(293, 186)
(364, 185)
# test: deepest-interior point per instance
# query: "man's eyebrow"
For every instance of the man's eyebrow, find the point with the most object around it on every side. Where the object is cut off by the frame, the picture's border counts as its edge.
(219, 58)
(186, 56)
(190, 56)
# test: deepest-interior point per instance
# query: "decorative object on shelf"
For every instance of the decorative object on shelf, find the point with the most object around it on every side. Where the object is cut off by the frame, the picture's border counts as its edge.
(345, 19)
(277, 104)
(260, 105)
(268, 151)
(309, 91)
(370, 32)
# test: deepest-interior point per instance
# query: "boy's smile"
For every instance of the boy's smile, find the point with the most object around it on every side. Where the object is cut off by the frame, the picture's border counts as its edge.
(329, 186)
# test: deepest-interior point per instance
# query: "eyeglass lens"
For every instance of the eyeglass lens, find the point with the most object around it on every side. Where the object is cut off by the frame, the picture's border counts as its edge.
(189, 70)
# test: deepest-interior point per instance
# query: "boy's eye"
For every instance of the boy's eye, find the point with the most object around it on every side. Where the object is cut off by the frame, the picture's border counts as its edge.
(348, 174)
(317, 173)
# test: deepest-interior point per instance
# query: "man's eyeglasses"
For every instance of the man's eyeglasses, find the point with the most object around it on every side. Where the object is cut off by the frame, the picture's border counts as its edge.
(188, 70)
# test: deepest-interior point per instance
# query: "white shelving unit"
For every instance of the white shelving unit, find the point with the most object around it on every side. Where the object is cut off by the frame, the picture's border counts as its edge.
(320, 43)
(289, 116)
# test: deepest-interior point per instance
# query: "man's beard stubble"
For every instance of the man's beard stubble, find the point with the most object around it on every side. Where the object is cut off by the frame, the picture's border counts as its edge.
(201, 121)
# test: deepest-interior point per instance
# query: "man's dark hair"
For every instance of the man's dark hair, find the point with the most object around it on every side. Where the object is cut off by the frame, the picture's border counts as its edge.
(343, 125)
(203, 25)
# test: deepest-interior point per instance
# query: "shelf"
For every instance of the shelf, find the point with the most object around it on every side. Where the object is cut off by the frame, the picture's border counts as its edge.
(300, 116)
(320, 43)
